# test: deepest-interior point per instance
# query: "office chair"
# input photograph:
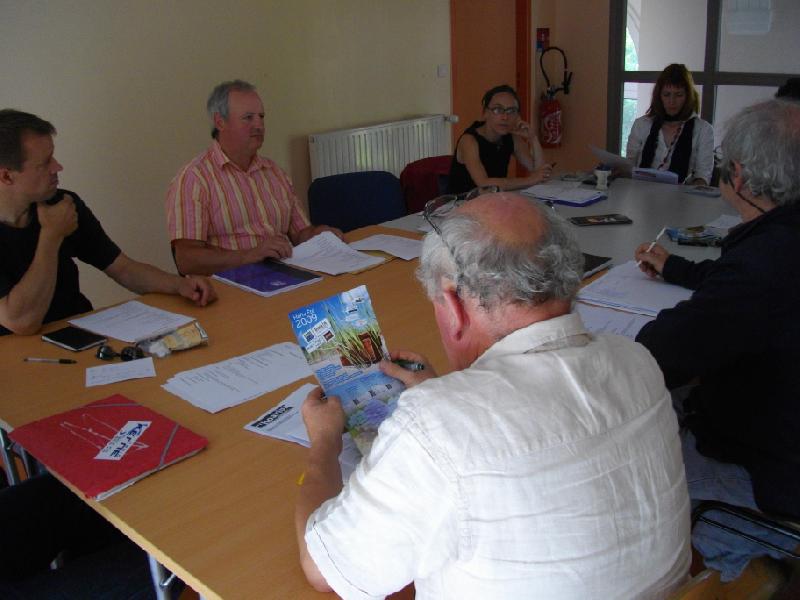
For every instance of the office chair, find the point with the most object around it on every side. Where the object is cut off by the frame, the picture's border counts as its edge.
(424, 179)
(352, 200)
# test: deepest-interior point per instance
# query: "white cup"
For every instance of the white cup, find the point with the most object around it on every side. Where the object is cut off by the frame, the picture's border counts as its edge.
(602, 179)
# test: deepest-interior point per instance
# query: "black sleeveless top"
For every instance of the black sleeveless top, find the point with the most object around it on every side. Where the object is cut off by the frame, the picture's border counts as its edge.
(494, 158)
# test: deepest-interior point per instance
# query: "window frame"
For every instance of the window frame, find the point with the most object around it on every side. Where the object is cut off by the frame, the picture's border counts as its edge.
(710, 77)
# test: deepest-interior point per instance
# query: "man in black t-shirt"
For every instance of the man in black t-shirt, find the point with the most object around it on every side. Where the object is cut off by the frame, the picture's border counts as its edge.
(43, 228)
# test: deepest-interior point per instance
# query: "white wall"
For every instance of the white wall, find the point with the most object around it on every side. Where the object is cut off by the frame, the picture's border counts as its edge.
(125, 84)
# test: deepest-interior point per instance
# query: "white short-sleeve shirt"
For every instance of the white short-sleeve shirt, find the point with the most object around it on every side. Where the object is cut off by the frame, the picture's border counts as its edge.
(550, 468)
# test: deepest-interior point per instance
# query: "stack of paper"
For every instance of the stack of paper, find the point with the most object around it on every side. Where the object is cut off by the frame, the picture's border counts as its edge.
(564, 192)
(327, 253)
(132, 322)
(626, 288)
(239, 379)
(284, 422)
(599, 319)
(402, 247)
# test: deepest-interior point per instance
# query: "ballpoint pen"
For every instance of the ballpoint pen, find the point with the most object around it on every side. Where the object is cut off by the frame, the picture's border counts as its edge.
(653, 243)
(55, 361)
(409, 365)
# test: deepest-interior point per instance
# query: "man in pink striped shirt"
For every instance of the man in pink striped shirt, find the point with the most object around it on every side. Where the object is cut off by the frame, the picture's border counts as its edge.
(230, 206)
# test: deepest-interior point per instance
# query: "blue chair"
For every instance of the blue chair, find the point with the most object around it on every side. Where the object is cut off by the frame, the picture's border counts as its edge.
(352, 200)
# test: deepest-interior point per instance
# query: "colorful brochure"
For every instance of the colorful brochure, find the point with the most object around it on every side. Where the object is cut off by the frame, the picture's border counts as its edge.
(343, 344)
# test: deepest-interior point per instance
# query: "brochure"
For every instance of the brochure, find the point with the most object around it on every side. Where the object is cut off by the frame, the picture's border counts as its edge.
(342, 342)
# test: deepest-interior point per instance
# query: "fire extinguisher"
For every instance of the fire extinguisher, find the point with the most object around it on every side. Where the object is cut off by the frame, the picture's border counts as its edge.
(550, 127)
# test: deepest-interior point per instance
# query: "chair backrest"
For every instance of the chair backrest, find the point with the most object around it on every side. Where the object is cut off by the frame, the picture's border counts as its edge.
(352, 200)
(423, 180)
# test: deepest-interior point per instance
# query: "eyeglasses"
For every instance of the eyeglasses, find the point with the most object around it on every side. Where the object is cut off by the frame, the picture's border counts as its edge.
(507, 110)
(718, 156)
(106, 352)
(438, 208)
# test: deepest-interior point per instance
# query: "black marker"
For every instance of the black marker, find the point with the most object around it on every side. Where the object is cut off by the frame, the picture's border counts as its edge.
(409, 365)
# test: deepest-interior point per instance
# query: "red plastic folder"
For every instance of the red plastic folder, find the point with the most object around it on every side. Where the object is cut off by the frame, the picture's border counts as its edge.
(107, 445)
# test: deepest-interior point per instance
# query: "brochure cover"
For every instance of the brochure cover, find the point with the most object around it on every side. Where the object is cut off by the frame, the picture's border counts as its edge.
(107, 445)
(342, 342)
(267, 278)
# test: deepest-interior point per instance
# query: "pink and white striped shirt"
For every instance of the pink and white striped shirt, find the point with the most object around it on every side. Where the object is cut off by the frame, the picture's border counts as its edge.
(212, 199)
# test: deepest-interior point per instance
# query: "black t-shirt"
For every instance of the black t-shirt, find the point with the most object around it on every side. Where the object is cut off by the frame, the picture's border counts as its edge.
(89, 243)
(494, 158)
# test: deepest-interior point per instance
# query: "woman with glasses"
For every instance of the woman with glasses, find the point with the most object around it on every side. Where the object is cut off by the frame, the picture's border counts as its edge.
(484, 149)
(670, 136)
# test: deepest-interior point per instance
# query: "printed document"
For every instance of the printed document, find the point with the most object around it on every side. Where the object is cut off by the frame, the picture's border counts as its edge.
(132, 322)
(284, 422)
(396, 245)
(327, 253)
(626, 288)
(239, 379)
(133, 369)
(599, 319)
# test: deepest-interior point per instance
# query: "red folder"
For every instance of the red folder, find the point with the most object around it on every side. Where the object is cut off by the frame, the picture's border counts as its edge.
(105, 446)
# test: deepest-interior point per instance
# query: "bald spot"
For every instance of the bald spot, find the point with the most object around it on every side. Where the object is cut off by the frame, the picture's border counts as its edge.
(509, 218)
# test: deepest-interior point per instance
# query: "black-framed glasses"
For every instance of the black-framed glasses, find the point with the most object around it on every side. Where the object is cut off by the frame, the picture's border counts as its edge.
(128, 353)
(438, 208)
(507, 110)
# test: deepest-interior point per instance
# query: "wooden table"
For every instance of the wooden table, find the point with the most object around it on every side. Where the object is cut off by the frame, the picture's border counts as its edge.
(223, 520)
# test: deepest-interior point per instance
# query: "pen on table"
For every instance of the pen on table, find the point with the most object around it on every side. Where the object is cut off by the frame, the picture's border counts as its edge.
(55, 361)
(409, 365)
(653, 243)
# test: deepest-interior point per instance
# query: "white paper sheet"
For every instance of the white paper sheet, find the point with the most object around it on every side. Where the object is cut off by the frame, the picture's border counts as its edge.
(134, 369)
(132, 321)
(284, 422)
(236, 380)
(599, 319)
(615, 161)
(396, 245)
(327, 253)
(725, 222)
(626, 288)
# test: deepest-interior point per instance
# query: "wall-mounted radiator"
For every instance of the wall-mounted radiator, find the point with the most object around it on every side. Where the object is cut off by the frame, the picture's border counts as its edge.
(383, 147)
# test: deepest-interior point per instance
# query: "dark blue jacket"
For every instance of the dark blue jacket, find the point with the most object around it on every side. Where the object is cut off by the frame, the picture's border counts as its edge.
(739, 335)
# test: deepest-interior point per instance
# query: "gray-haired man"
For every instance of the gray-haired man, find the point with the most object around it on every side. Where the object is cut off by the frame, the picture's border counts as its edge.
(548, 462)
(229, 206)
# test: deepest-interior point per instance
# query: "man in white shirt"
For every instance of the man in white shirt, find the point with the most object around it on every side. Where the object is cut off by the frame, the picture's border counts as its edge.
(547, 464)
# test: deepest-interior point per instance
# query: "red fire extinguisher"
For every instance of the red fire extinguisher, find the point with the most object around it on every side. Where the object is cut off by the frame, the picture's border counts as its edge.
(550, 127)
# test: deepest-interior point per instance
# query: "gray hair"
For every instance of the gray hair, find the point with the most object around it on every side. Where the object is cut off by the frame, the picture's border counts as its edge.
(765, 140)
(217, 102)
(497, 272)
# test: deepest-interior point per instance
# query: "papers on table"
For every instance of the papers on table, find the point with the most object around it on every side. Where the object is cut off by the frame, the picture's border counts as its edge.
(134, 369)
(402, 247)
(239, 379)
(626, 288)
(599, 319)
(725, 222)
(657, 175)
(615, 161)
(327, 253)
(564, 192)
(284, 422)
(132, 322)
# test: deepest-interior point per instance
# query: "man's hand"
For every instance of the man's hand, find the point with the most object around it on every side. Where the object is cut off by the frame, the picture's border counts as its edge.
(60, 219)
(408, 377)
(651, 261)
(276, 246)
(325, 421)
(197, 289)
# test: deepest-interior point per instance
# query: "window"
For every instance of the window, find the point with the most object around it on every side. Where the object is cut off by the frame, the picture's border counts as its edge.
(739, 52)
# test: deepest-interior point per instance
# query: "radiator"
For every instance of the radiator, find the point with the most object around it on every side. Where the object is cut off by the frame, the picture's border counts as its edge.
(383, 147)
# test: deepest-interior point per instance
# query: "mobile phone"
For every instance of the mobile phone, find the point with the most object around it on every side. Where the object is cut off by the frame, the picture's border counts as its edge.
(74, 338)
(600, 220)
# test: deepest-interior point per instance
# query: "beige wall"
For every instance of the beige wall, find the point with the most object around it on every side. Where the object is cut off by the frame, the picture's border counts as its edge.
(125, 83)
(580, 28)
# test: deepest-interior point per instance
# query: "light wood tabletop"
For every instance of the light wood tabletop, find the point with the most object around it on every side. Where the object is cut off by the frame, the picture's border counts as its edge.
(221, 520)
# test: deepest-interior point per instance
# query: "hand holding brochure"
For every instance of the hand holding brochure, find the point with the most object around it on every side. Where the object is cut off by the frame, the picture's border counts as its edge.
(343, 344)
